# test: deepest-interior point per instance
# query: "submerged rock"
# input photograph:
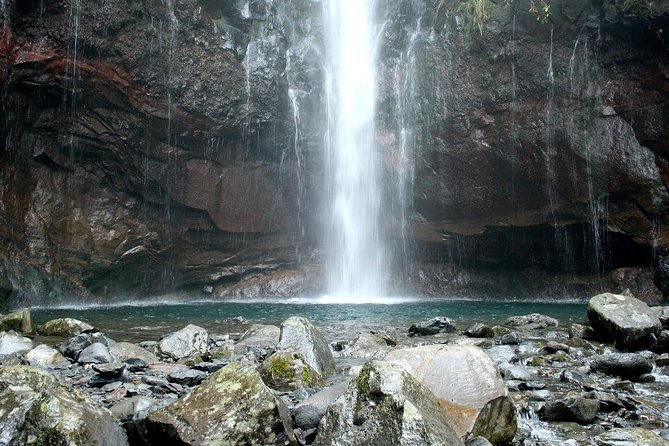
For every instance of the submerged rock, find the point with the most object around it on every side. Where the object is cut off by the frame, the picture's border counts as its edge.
(463, 379)
(64, 327)
(625, 320)
(533, 321)
(625, 365)
(386, 406)
(36, 409)
(232, 407)
(287, 370)
(298, 334)
(432, 327)
(19, 321)
(188, 341)
(630, 437)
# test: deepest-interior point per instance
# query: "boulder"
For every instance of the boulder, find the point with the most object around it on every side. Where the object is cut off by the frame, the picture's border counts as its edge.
(287, 370)
(96, 353)
(497, 421)
(109, 369)
(574, 408)
(64, 327)
(122, 351)
(298, 334)
(463, 379)
(386, 406)
(625, 365)
(309, 412)
(232, 407)
(43, 355)
(630, 437)
(479, 330)
(134, 408)
(502, 354)
(11, 343)
(432, 327)
(663, 315)
(369, 346)
(36, 409)
(72, 347)
(20, 321)
(625, 320)
(260, 336)
(190, 340)
(533, 321)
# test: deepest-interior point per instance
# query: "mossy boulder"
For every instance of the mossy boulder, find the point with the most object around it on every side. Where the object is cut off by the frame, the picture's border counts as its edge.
(625, 320)
(298, 334)
(64, 327)
(20, 321)
(232, 407)
(35, 408)
(386, 406)
(287, 370)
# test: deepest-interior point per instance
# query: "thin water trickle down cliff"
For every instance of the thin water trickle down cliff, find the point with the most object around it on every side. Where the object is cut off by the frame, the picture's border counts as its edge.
(166, 146)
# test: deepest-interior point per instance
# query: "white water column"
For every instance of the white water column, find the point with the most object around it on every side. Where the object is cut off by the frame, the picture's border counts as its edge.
(355, 251)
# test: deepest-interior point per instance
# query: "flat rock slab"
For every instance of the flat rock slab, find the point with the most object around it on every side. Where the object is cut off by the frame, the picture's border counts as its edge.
(630, 437)
(625, 320)
(533, 321)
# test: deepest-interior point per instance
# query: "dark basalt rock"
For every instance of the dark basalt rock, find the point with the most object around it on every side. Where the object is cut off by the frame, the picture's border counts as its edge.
(625, 365)
(432, 327)
(577, 408)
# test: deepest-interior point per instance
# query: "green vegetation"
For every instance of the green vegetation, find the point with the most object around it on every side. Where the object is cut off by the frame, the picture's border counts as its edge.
(475, 13)
(282, 368)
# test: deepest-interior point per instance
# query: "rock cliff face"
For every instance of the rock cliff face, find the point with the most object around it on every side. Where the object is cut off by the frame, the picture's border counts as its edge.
(159, 146)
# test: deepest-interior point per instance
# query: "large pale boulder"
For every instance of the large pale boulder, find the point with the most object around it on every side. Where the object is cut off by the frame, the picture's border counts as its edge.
(386, 406)
(261, 336)
(232, 407)
(625, 320)
(20, 321)
(43, 355)
(298, 334)
(64, 327)
(122, 351)
(369, 346)
(463, 379)
(36, 409)
(11, 343)
(190, 340)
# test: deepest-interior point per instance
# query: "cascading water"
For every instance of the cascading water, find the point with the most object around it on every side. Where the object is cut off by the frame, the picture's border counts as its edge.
(356, 262)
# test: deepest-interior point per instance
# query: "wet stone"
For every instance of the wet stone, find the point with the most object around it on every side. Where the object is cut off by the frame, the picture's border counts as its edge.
(510, 338)
(432, 327)
(187, 378)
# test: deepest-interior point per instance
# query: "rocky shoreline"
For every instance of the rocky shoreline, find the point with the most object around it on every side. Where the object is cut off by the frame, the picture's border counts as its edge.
(529, 381)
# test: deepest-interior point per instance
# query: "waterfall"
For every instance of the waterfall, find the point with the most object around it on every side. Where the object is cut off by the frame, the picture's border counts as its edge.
(356, 257)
